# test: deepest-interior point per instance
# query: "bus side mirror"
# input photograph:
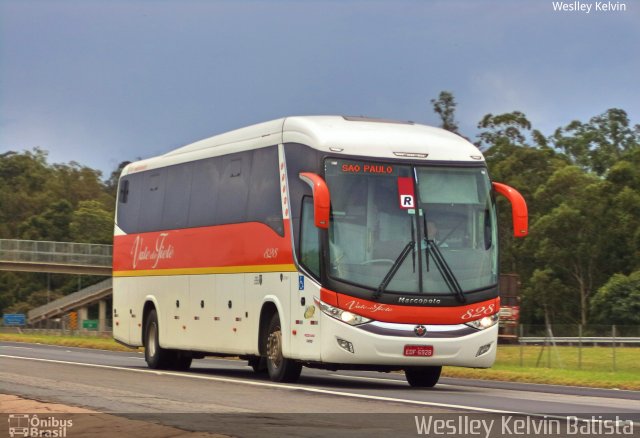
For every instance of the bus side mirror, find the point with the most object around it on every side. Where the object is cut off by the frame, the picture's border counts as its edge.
(518, 208)
(321, 198)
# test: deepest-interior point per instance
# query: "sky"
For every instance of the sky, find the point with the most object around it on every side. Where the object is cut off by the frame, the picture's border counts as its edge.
(101, 82)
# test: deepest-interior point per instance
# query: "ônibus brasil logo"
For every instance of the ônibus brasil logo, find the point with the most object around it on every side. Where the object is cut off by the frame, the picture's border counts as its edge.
(26, 425)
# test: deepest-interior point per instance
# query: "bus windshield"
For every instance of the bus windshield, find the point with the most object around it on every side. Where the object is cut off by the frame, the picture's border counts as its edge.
(441, 240)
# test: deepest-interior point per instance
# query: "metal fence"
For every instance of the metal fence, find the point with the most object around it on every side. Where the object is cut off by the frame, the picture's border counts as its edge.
(575, 346)
(33, 251)
(579, 330)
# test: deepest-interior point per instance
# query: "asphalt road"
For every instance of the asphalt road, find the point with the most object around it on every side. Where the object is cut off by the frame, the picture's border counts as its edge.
(226, 396)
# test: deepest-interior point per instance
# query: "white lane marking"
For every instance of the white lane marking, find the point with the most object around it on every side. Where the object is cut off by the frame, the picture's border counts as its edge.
(314, 390)
(275, 385)
(21, 348)
(534, 384)
(66, 346)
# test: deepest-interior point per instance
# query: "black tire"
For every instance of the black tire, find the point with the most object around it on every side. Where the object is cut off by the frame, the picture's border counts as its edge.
(181, 360)
(279, 367)
(156, 356)
(258, 363)
(423, 377)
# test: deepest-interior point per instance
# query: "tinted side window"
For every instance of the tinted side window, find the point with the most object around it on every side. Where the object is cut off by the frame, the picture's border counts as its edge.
(241, 187)
(234, 188)
(175, 211)
(204, 192)
(152, 200)
(264, 195)
(128, 211)
(309, 238)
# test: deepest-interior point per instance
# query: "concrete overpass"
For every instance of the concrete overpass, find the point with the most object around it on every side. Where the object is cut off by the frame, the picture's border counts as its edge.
(55, 257)
(63, 258)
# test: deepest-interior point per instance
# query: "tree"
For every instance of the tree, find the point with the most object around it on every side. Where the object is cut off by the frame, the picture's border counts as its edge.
(52, 224)
(546, 299)
(618, 301)
(24, 181)
(445, 107)
(91, 223)
(621, 196)
(600, 143)
(584, 218)
(503, 129)
(76, 183)
(569, 237)
(42, 201)
(513, 162)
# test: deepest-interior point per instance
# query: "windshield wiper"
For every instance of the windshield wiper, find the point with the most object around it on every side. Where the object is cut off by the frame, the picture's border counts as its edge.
(445, 270)
(394, 269)
(443, 267)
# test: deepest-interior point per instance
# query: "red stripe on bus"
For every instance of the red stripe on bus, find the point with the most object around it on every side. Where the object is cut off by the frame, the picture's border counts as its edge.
(408, 314)
(243, 244)
(329, 297)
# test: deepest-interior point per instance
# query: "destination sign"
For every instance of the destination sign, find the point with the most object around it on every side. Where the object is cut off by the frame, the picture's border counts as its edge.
(360, 168)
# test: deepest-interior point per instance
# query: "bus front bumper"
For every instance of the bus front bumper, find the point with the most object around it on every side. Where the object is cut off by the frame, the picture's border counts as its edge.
(389, 344)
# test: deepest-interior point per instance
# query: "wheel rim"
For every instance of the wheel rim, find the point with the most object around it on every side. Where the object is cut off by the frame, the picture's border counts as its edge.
(151, 340)
(274, 349)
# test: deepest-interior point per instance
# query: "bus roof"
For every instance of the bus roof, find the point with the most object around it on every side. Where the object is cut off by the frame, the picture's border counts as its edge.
(335, 134)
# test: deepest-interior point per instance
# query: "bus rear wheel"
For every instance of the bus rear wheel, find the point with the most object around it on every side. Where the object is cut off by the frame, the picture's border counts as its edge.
(181, 360)
(156, 356)
(423, 377)
(280, 368)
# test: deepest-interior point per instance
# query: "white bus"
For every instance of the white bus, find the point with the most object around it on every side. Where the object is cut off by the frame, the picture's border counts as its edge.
(324, 241)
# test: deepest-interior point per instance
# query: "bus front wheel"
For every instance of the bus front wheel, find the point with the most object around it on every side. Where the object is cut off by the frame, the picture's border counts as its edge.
(423, 377)
(279, 367)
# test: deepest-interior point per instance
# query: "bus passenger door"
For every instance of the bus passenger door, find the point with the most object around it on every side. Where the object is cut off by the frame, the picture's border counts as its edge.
(305, 329)
(305, 333)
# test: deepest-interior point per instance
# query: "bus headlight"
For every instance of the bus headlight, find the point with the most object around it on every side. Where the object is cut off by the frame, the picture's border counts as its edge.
(484, 323)
(342, 315)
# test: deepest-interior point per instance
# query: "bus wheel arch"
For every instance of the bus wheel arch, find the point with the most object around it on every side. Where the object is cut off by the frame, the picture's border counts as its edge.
(269, 308)
(156, 356)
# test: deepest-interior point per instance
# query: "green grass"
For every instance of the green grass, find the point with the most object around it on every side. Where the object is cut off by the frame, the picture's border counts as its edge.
(596, 366)
(595, 369)
(67, 341)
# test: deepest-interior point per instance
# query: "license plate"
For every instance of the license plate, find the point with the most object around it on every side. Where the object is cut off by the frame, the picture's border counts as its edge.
(418, 350)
